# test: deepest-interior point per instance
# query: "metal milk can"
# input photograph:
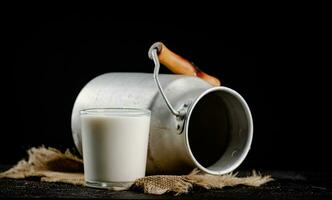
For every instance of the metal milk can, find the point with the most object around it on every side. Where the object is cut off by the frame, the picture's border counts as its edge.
(193, 123)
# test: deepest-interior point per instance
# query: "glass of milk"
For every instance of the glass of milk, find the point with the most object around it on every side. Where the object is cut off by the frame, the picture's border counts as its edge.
(115, 143)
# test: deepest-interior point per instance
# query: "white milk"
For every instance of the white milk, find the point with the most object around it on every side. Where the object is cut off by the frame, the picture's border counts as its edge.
(115, 143)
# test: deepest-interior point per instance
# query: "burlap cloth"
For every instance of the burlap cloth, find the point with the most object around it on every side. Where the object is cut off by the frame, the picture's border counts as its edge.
(51, 165)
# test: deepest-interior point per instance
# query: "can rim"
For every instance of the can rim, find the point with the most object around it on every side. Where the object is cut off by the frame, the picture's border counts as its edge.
(250, 132)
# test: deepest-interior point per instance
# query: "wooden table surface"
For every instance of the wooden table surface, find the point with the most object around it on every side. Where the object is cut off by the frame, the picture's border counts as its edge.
(287, 185)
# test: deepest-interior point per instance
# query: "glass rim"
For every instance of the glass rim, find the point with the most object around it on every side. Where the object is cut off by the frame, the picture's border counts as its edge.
(117, 111)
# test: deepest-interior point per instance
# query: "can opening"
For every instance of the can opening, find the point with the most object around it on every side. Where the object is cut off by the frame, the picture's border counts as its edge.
(219, 131)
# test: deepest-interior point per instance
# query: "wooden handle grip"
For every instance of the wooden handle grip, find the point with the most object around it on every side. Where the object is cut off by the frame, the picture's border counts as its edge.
(179, 65)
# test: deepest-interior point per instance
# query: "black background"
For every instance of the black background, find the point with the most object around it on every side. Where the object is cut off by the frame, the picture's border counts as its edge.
(276, 64)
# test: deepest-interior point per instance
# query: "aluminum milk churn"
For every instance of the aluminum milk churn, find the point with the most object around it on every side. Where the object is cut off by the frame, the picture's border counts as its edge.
(193, 123)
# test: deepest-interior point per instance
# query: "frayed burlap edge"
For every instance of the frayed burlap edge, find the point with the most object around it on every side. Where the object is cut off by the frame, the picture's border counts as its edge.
(51, 165)
(182, 184)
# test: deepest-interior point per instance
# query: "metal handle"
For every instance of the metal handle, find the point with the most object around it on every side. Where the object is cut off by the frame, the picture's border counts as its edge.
(154, 56)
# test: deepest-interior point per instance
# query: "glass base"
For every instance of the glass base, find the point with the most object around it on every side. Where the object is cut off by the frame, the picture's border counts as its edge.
(116, 186)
